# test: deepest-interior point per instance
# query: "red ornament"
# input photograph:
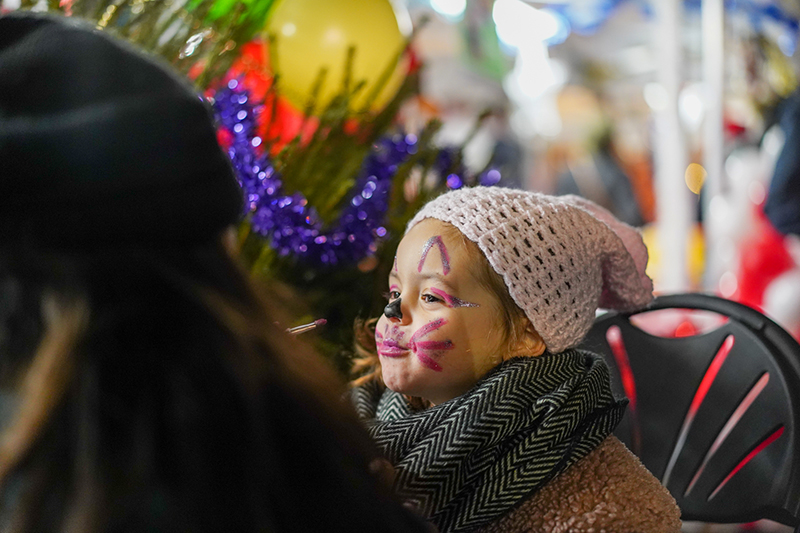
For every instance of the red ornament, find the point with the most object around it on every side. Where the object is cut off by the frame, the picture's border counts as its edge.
(252, 69)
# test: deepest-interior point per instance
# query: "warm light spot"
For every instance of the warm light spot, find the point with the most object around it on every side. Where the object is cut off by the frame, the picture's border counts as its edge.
(695, 176)
(289, 29)
(696, 254)
(368, 264)
(650, 238)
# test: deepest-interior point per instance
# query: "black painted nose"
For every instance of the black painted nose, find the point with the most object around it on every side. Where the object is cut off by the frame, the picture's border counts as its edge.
(392, 310)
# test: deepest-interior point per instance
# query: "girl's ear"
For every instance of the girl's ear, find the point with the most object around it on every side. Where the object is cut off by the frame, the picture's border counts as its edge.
(528, 344)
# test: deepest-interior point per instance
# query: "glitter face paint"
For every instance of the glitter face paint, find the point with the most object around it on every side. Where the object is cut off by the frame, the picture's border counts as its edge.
(451, 300)
(452, 347)
(426, 350)
(437, 240)
(389, 344)
(394, 333)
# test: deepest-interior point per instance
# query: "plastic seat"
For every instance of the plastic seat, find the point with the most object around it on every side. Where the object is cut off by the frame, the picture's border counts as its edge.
(714, 416)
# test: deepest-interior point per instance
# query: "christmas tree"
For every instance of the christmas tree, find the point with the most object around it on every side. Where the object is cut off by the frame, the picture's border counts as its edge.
(328, 188)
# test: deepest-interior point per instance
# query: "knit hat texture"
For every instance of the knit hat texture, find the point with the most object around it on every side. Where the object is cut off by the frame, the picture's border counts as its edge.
(561, 258)
(101, 145)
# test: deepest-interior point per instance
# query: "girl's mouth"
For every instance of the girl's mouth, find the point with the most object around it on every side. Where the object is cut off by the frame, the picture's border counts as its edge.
(391, 348)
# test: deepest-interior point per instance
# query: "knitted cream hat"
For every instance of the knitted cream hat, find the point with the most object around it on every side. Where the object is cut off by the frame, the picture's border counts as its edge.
(560, 257)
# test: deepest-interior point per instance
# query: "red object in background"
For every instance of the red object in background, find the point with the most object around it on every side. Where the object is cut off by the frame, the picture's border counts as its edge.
(414, 62)
(252, 69)
(763, 258)
(685, 329)
(733, 130)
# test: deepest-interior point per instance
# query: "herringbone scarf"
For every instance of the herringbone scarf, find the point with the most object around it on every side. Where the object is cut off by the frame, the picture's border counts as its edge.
(466, 462)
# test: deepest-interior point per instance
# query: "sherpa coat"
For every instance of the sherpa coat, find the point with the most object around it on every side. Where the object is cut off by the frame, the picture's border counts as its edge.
(608, 491)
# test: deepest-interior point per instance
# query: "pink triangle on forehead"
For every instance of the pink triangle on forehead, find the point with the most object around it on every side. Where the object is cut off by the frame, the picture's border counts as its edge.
(437, 240)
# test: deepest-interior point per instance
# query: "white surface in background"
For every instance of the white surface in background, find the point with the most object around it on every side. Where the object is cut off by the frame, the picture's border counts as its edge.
(453, 9)
(519, 23)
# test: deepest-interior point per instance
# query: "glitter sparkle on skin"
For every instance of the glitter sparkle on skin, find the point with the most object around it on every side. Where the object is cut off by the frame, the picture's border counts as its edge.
(437, 240)
(396, 333)
(389, 344)
(424, 349)
(451, 300)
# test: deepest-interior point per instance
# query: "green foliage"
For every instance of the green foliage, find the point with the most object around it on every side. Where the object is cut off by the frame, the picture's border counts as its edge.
(201, 39)
(324, 169)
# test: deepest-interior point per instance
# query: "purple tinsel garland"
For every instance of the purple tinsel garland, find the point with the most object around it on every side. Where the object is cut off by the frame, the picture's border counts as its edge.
(287, 221)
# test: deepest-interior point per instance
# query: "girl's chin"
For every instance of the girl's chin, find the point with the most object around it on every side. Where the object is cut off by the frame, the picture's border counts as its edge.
(399, 385)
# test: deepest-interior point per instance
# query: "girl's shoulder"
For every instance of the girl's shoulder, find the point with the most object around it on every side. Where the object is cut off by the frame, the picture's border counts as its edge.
(608, 490)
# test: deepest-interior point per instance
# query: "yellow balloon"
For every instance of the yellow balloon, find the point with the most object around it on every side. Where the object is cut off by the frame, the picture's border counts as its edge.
(316, 34)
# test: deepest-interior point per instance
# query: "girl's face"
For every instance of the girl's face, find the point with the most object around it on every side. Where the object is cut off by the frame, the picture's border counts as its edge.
(443, 331)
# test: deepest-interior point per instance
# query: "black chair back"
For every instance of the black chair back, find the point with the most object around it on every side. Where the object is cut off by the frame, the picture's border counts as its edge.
(714, 416)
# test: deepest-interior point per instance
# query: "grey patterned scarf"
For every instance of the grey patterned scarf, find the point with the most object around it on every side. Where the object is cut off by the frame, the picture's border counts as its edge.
(469, 461)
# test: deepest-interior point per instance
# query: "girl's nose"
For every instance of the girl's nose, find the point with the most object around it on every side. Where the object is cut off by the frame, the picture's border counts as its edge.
(393, 310)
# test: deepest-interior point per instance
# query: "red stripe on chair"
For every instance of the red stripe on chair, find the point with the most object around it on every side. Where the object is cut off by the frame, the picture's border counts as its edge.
(749, 457)
(734, 419)
(697, 401)
(614, 339)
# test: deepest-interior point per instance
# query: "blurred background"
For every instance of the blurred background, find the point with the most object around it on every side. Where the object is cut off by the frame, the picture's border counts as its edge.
(342, 117)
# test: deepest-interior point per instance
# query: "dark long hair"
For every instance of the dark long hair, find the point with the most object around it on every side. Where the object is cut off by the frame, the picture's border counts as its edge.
(155, 392)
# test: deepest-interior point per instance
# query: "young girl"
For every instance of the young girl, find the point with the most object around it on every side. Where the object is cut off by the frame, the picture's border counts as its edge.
(489, 416)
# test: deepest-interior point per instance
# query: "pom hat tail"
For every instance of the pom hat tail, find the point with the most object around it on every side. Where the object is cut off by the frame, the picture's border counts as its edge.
(561, 258)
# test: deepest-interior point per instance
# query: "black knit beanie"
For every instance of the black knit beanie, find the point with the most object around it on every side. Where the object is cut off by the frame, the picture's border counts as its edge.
(101, 145)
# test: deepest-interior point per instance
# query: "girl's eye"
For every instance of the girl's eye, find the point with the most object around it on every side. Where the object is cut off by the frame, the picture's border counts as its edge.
(430, 298)
(392, 295)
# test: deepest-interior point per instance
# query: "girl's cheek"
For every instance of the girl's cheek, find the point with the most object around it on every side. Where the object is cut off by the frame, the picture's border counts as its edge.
(429, 343)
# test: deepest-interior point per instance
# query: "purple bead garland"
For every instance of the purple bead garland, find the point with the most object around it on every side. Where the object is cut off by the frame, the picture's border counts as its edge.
(287, 221)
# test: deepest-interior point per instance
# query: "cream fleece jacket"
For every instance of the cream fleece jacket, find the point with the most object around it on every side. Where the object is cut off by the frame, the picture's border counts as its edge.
(608, 491)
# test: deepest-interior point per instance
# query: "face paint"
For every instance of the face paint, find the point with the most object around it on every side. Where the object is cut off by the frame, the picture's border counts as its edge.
(452, 347)
(437, 240)
(392, 310)
(452, 301)
(425, 349)
(395, 333)
(389, 344)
